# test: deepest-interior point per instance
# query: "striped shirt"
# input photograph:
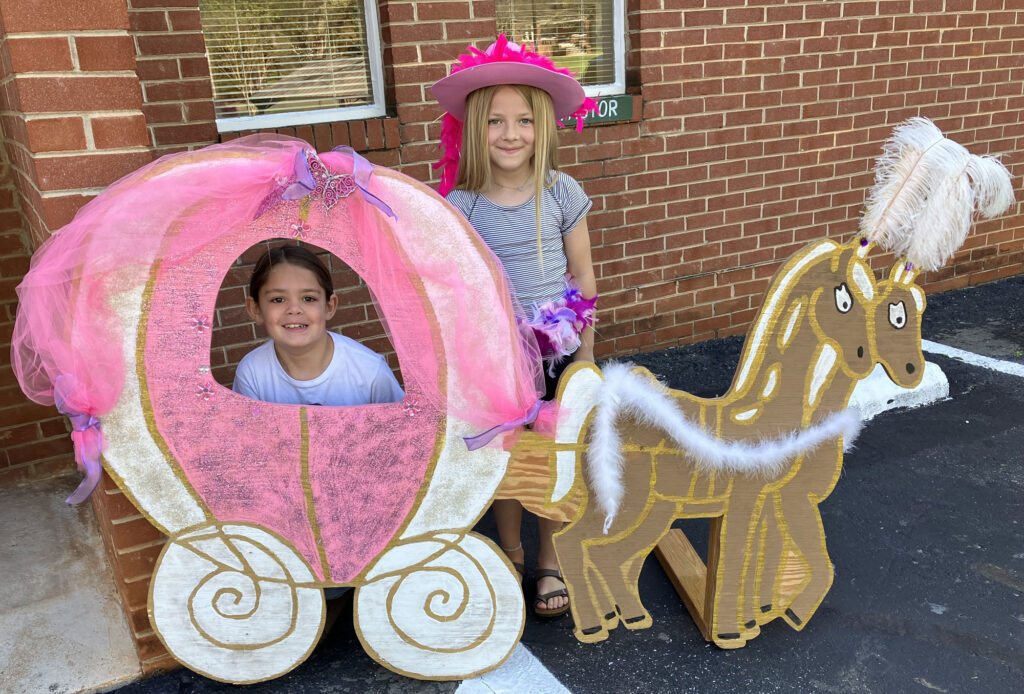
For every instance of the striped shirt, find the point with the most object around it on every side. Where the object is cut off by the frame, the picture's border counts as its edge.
(511, 232)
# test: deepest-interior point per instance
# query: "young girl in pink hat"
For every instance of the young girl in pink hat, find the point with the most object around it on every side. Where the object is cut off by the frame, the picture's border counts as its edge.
(500, 169)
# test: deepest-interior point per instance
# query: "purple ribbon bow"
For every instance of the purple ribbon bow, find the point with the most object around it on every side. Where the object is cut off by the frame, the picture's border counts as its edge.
(86, 437)
(481, 440)
(314, 179)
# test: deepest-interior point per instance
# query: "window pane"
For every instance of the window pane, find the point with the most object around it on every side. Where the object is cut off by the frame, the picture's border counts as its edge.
(575, 34)
(284, 56)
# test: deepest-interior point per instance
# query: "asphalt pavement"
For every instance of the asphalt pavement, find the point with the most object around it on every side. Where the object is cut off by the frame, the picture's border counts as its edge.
(925, 529)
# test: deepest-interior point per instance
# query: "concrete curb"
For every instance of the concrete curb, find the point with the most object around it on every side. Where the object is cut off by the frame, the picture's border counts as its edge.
(876, 393)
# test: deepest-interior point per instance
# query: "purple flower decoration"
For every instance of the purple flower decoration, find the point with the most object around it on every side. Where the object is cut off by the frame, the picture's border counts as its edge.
(411, 407)
(314, 179)
(299, 230)
(200, 323)
(204, 391)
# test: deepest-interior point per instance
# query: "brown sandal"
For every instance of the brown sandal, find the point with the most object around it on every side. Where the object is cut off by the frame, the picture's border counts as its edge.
(542, 598)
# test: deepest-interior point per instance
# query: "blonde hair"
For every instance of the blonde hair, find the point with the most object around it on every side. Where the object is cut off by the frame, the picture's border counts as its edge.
(475, 164)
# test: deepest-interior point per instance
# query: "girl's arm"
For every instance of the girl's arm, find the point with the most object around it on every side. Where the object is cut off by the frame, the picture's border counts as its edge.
(580, 266)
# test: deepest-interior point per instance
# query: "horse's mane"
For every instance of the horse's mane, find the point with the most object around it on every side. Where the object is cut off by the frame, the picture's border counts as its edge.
(776, 299)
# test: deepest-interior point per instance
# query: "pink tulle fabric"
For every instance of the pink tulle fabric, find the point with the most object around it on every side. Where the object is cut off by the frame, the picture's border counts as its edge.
(178, 205)
(451, 128)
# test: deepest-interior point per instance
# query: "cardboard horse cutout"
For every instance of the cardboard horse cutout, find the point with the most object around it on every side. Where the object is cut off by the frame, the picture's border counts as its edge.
(759, 459)
(265, 505)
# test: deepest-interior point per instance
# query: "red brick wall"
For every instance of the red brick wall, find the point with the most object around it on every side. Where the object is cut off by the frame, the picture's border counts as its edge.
(173, 72)
(34, 442)
(760, 125)
(71, 103)
(68, 93)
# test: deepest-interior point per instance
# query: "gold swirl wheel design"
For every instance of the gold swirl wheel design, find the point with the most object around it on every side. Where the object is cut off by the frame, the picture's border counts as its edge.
(235, 602)
(445, 606)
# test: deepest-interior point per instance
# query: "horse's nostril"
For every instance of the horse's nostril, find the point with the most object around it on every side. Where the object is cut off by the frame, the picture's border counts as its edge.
(860, 352)
(910, 368)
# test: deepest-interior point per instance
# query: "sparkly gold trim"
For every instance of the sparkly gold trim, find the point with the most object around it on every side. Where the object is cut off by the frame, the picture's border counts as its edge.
(307, 493)
(144, 400)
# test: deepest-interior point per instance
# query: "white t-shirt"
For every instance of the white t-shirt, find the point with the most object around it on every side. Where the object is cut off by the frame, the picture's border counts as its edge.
(356, 376)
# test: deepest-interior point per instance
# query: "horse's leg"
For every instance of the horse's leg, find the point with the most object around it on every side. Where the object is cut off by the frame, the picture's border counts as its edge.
(586, 574)
(759, 564)
(737, 556)
(573, 560)
(771, 560)
(608, 553)
(803, 525)
(624, 559)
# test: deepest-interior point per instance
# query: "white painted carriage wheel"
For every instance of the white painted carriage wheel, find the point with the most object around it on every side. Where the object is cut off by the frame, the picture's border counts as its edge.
(235, 599)
(446, 606)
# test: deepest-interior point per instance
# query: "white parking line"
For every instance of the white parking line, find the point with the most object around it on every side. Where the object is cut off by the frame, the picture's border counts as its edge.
(1006, 367)
(522, 672)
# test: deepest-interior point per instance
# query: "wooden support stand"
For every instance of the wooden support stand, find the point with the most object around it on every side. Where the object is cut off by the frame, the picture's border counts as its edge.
(691, 578)
(695, 582)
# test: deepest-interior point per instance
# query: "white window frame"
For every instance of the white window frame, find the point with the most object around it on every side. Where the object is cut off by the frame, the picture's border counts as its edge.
(619, 42)
(618, 86)
(329, 115)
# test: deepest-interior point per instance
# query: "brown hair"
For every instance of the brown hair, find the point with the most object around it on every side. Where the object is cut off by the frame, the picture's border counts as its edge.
(291, 255)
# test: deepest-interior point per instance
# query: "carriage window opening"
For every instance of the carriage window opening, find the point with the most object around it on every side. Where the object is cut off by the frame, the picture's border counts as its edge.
(235, 333)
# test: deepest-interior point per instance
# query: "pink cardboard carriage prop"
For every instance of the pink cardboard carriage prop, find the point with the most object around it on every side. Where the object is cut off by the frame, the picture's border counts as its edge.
(267, 504)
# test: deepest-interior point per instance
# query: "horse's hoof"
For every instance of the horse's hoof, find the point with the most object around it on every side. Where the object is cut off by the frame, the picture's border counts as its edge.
(794, 621)
(751, 630)
(730, 640)
(639, 622)
(611, 620)
(591, 634)
(766, 608)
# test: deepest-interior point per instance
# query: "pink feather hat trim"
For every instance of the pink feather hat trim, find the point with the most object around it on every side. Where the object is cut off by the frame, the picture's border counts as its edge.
(503, 62)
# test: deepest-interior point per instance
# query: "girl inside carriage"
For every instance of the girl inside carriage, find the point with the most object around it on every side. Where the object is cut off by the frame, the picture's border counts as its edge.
(292, 296)
(500, 169)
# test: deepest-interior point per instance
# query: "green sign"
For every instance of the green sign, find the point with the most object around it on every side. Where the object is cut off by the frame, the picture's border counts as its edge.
(609, 108)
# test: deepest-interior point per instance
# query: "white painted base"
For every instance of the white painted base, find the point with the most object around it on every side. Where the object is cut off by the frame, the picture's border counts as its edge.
(877, 393)
(522, 672)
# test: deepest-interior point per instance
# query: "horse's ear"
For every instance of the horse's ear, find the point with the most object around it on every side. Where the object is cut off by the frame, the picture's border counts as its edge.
(902, 272)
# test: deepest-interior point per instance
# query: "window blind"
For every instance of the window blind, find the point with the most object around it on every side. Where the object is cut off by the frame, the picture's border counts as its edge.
(284, 56)
(575, 34)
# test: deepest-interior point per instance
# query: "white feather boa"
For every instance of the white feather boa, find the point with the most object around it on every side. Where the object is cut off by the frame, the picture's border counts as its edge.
(626, 393)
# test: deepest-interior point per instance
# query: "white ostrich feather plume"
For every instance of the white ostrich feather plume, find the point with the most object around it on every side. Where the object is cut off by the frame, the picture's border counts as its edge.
(626, 393)
(927, 192)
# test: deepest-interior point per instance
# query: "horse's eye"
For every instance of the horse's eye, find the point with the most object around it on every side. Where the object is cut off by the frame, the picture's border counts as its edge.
(844, 302)
(897, 315)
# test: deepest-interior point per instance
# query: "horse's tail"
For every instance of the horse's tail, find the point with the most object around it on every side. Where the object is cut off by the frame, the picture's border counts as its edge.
(625, 392)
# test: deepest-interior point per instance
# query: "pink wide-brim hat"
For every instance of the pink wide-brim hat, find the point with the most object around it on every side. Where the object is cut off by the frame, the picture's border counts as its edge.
(515, 66)
(502, 63)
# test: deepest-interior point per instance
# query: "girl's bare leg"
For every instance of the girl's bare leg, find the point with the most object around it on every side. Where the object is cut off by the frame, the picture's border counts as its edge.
(508, 514)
